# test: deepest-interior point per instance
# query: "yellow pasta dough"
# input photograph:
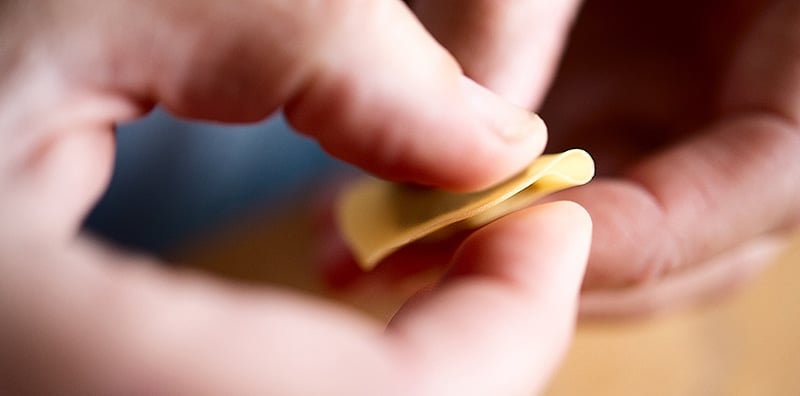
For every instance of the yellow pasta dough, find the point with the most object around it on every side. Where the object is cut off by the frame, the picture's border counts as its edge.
(377, 217)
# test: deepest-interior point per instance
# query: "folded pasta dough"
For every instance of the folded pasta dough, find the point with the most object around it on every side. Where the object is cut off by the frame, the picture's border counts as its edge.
(377, 217)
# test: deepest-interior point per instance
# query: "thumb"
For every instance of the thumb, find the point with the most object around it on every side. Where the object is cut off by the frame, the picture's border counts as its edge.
(501, 320)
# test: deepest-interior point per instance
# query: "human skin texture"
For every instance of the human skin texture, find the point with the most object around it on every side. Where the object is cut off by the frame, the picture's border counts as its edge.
(364, 79)
(690, 110)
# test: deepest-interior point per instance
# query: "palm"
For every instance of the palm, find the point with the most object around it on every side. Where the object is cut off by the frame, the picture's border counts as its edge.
(645, 77)
(691, 112)
(646, 90)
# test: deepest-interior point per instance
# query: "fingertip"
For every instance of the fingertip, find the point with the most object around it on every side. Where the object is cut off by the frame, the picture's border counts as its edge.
(545, 241)
(510, 138)
(511, 296)
(569, 215)
(448, 132)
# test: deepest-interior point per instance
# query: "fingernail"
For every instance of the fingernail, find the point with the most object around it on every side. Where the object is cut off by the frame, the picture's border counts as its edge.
(508, 121)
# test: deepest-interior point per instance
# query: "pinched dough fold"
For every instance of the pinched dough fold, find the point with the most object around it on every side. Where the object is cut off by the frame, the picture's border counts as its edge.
(377, 217)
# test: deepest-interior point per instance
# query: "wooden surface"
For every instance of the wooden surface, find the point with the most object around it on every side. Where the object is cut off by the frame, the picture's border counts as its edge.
(746, 345)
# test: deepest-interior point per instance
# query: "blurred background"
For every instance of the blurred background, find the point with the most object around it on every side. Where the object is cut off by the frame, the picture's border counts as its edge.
(175, 179)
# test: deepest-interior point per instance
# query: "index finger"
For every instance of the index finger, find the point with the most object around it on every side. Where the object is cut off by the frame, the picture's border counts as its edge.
(362, 77)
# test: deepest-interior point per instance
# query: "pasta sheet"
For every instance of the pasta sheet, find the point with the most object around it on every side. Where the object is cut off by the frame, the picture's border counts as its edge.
(377, 217)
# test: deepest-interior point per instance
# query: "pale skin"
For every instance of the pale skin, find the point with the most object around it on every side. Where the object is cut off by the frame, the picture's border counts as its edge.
(692, 112)
(82, 318)
(70, 69)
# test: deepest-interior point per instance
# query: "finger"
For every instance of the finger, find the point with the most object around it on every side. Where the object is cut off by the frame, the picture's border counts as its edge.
(154, 331)
(733, 182)
(363, 78)
(692, 203)
(512, 47)
(497, 324)
(48, 195)
(503, 315)
(704, 282)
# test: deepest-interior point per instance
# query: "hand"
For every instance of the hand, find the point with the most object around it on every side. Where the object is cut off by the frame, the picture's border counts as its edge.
(691, 111)
(365, 80)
